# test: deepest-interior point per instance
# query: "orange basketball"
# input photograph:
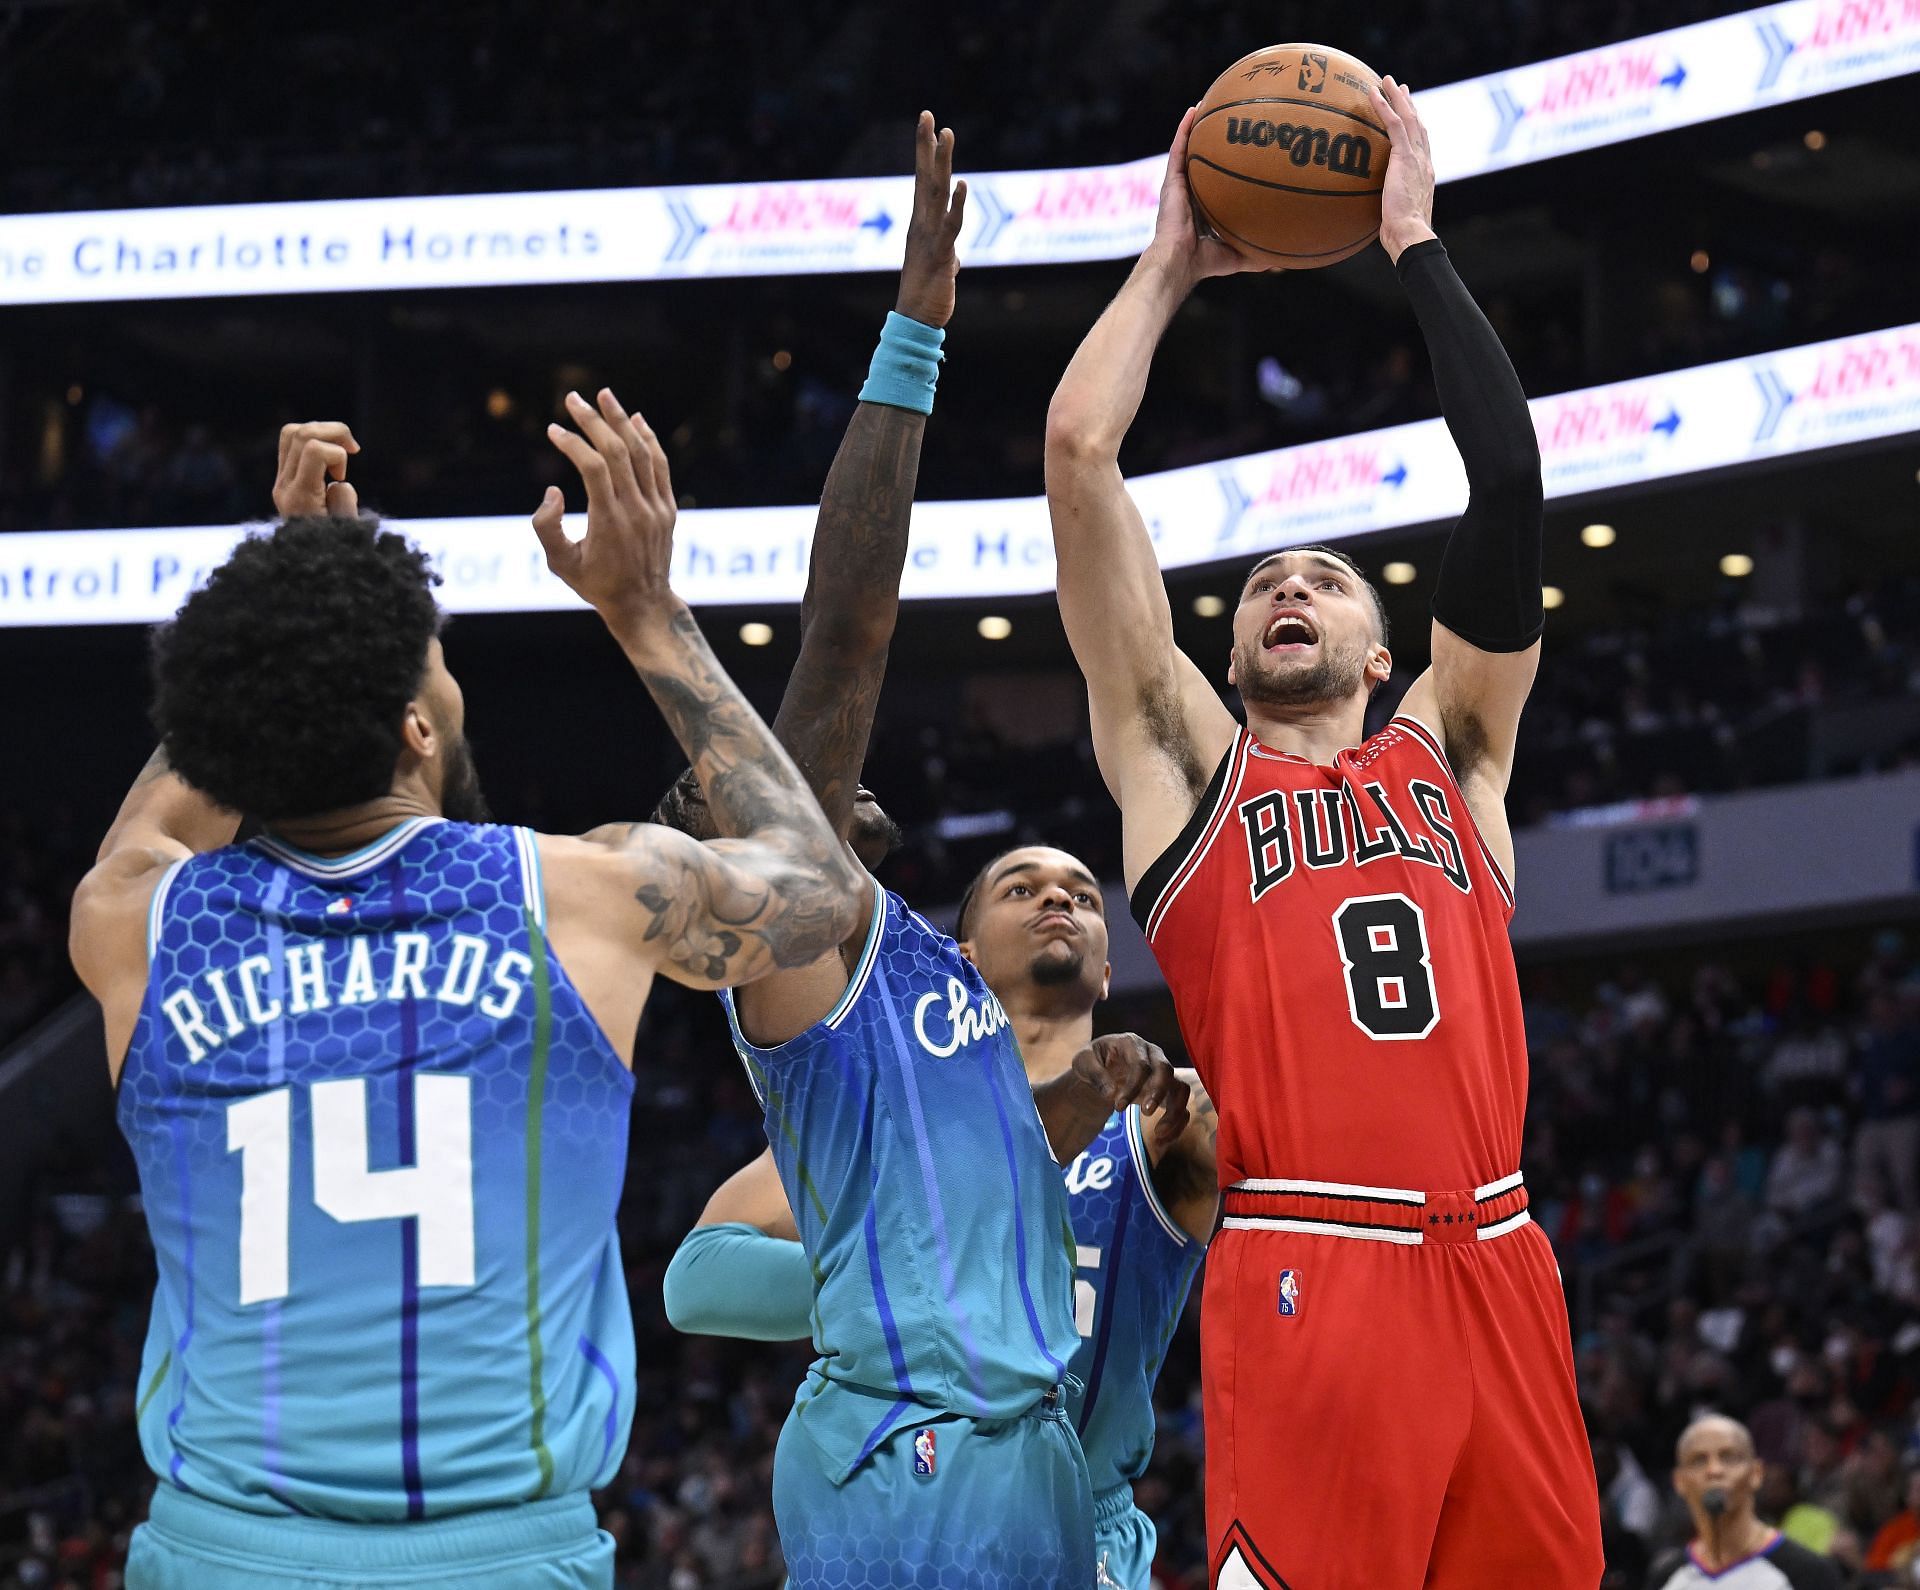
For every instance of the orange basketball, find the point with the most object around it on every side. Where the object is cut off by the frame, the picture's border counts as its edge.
(1286, 156)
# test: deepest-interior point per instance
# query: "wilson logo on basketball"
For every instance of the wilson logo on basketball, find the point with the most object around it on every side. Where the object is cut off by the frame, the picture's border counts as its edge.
(1348, 154)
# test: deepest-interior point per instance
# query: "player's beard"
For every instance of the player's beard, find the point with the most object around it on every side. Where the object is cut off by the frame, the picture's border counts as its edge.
(1331, 676)
(462, 800)
(1057, 971)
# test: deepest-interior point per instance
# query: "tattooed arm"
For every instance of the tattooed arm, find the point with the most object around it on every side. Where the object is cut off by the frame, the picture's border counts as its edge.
(1184, 1173)
(635, 899)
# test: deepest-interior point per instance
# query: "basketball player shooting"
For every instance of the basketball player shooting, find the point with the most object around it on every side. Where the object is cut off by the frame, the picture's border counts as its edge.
(375, 1063)
(1389, 1389)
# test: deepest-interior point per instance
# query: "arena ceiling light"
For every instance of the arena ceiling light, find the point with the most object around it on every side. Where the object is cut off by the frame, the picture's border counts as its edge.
(1551, 596)
(994, 627)
(1727, 66)
(1209, 606)
(1597, 535)
(1736, 565)
(757, 634)
(1399, 573)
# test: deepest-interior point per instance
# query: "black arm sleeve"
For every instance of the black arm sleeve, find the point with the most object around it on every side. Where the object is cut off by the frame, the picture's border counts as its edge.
(1488, 592)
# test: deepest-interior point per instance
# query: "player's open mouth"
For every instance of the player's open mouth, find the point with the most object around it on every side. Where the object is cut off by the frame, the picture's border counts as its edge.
(1288, 631)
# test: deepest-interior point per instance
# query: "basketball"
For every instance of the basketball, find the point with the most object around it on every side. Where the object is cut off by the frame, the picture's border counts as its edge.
(1286, 156)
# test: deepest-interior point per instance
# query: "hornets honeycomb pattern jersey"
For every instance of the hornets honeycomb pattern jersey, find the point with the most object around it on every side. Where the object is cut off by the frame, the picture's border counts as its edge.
(380, 1142)
(1136, 1266)
(928, 1200)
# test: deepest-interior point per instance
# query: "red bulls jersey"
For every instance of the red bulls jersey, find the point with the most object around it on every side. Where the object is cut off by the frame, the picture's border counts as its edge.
(1336, 943)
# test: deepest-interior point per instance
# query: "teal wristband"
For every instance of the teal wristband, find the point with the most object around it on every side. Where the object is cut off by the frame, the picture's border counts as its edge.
(906, 365)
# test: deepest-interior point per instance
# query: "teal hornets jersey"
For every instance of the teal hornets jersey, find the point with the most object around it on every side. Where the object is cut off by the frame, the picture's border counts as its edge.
(928, 1201)
(380, 1142)
(1136, 1266)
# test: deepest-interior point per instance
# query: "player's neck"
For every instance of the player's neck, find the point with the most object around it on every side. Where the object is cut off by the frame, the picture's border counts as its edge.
(1049, 1034)
(1318, 730)
(352, 827)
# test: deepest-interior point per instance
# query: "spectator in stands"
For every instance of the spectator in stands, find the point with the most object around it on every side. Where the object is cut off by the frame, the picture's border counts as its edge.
(1896, 1547)
(1887, 1081)
(1806, 1172)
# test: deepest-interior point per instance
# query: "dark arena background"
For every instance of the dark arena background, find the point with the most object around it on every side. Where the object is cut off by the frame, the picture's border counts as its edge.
(1694, 231)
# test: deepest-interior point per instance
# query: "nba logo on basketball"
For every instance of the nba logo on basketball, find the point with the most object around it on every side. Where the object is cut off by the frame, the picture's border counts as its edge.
(1289, 1292)
(923, 1451)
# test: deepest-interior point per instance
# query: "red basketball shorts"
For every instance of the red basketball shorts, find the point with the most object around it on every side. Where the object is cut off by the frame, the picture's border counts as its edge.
(1390, 1399)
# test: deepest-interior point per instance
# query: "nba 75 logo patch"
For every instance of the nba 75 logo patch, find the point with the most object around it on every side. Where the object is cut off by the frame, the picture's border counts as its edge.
(925, 1456)
(1289, 1293)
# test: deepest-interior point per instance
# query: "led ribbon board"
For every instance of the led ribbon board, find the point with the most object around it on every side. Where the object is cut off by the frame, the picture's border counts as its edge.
(1824, 394)
(1674, 79)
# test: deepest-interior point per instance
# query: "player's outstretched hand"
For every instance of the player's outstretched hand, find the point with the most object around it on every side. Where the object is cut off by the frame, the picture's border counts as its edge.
(1176, 229)
(1124, 1068)
(312, 478)
(621, 564)
(939, 209)
(1406, 201)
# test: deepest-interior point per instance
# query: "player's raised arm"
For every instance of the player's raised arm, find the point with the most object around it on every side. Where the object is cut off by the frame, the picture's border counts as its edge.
(860, 537)
(1486, 603)
(164, 818)
(1158, 725)
(782, 893)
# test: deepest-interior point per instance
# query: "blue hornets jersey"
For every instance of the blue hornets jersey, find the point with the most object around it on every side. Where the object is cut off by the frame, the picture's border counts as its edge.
(1136, 1266)
(380, 1142)
(928, 1201)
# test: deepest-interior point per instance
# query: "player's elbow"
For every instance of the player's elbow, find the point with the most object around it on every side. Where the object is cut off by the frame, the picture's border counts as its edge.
(1076, 440)
(1510, 484)
(679, 1295)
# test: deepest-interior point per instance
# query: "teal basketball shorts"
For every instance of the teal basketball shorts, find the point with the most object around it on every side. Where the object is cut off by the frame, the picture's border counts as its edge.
(950, 1504)
(190, 1544)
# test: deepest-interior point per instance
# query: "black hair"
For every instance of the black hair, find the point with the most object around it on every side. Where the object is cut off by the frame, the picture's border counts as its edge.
(1345, 562)
(961, 921)
(280, 687)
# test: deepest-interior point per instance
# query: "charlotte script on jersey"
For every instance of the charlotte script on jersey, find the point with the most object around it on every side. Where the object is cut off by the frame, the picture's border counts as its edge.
(461, 970)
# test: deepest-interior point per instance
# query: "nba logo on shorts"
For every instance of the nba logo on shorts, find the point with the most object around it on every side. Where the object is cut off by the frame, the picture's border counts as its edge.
(923, 1451)
(1289, 1293)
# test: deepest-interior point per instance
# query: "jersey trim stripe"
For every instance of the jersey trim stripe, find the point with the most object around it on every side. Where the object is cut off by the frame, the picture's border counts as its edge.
(930, 1185)
(869, 953)
(410, 1470)
(1324, 1228)
(179, 1408)
(1019, 1225)
(1425, 736)
(1494, 1189)
(332, 868)
(1500, 1228)
(536, 1100)
(1330, 1189)
(598, 1359)
(1178, 863)
(1143, 1167)
(270, 1382)
(156, 908)
(532, 881)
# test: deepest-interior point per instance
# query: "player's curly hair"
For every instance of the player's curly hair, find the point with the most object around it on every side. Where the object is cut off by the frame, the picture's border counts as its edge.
(280, 687)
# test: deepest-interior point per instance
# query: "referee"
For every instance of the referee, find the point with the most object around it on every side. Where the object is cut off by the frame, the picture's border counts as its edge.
(1717, 1474)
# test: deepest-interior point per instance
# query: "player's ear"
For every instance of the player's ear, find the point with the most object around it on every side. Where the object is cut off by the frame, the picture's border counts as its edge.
(966, 949)
(417, 733)
(1106, 979)
(1379, 666)
(1230, 669)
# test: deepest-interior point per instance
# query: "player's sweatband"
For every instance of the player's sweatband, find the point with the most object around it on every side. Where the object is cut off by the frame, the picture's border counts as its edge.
(906, 365)
(735, 1280)
(1488, 590)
